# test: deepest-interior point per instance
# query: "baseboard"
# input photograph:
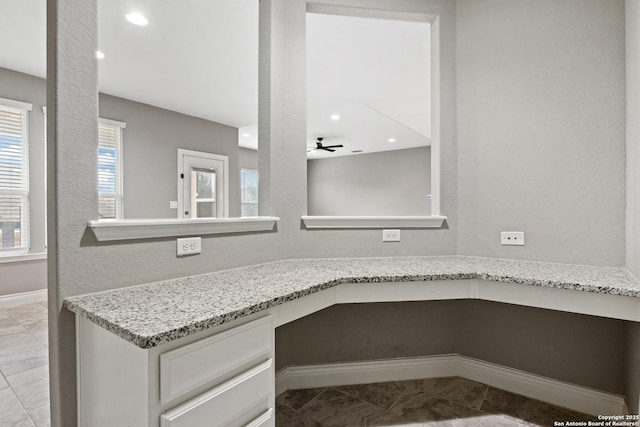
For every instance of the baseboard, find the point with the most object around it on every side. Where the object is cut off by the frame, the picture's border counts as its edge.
(578, 398)
(8, 301)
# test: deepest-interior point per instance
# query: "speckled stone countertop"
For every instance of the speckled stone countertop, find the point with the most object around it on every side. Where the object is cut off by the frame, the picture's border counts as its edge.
(151, 314)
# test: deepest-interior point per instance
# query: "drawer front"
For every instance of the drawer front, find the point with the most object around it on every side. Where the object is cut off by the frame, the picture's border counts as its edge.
(186, 368)
(241, 401)
(266, 419)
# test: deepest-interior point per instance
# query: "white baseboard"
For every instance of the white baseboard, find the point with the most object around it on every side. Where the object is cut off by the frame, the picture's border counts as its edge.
(8, 301)
(578, 398)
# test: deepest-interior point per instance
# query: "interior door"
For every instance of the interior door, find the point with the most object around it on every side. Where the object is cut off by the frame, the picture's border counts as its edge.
(202, 185)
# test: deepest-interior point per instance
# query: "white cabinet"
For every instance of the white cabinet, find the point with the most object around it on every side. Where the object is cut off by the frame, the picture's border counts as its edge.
(207, 360)
(236, 402)
(220, 377)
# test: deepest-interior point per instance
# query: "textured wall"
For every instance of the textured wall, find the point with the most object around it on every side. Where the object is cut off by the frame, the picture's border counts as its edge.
(633, 189)
(541, 128)
(248, 158)
(151, 141)
(545, 107)
(346, 243)
(576, 348)
(387, 183)
(633, 135)
(368, 331)
(579, 349)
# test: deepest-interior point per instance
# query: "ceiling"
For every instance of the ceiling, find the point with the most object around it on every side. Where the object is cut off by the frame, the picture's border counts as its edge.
(373, 73)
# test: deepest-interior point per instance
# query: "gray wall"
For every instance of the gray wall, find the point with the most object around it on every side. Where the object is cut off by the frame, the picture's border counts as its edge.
(633, 188)
(409, 329)
(31, 276)
(579, 349)
(151, 141)
(541, 99)
(504, 98)
(632, 391)
(248, 158)
(633, 135)
(387, 183)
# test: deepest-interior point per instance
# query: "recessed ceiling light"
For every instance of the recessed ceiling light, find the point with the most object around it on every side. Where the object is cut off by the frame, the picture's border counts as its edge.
(246, 135)
(391, 140)
(335, 117)
(137, 18)
(99, 55)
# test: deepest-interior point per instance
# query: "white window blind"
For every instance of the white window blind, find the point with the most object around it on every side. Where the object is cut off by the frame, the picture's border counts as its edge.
(110, 169)
(14, 177)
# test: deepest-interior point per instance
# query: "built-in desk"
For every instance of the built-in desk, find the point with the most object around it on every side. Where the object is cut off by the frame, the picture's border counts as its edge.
(145, 352)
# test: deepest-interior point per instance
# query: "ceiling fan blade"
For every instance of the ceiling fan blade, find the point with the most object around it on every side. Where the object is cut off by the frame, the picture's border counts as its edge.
(328, 149)
(334, 146)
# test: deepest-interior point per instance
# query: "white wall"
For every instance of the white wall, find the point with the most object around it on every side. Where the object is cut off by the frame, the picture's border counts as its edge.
(395, 182)
(541, 128)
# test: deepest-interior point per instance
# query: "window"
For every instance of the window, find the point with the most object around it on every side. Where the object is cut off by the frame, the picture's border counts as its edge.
(249, 192)
(14, 177)
(110, 169)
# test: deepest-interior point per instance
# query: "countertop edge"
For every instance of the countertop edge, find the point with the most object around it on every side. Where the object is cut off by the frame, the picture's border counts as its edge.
(146, 342)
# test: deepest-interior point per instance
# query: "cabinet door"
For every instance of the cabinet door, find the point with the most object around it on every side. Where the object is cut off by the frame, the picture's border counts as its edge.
(241, 401)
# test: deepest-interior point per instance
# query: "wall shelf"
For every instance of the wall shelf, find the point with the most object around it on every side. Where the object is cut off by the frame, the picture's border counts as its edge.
(131, 229)
(319, 222)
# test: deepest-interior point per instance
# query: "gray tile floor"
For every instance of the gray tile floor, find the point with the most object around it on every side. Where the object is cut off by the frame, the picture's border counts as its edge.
(24, 369)
(441, 402)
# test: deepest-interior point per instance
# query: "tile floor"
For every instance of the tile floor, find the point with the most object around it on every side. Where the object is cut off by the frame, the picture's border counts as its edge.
(441, 402)
(24, 369)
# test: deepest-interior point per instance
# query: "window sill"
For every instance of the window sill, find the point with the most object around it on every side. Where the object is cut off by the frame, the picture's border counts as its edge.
(6, 259)
(319, 222)
(131, 229)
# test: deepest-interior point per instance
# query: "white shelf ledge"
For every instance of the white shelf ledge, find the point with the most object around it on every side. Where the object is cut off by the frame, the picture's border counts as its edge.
(314, 222)
(130, 229)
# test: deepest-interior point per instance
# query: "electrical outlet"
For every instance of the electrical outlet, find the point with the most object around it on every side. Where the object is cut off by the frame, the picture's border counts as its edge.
(173, 204)
(189, 246)
(390, 235)
(513, 238)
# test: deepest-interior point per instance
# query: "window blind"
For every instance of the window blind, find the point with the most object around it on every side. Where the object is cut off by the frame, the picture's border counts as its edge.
(14, 177)
(109, 170)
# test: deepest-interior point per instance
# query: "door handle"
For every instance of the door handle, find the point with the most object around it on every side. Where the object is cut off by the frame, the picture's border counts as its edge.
(186, 212)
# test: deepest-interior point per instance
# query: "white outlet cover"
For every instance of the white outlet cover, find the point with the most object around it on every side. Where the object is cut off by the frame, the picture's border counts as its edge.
(512, 238)
(189, 246)
(173, 204)
(391, 235)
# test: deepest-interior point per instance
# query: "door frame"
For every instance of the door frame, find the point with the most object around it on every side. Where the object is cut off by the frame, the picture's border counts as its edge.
(208, 156)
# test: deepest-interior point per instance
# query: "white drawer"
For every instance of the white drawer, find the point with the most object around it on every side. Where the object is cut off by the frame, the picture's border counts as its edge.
(196, 364)
(266, 419)
(242, 401)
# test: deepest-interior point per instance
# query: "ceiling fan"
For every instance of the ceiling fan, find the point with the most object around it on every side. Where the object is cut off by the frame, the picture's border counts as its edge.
(319, 146)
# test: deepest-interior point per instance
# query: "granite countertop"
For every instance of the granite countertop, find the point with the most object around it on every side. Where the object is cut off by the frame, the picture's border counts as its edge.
(152, 314)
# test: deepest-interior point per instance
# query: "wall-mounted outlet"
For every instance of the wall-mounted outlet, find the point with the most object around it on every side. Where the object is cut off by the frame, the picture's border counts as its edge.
(173, 204)
(515, 238)
(390, 235)
(189, 246)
